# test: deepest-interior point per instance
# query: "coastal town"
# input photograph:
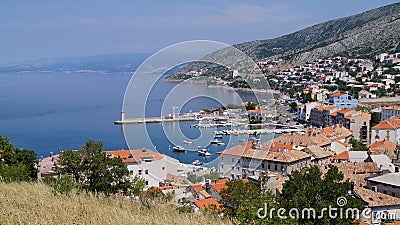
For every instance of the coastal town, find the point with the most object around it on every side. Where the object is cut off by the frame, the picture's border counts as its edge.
(346, 113)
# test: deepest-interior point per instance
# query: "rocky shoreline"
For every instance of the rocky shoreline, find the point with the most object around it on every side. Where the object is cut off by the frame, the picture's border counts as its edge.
(204, 82)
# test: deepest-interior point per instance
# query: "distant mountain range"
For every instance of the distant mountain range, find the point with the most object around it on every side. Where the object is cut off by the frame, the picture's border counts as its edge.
(363, 35)
(106, 63)
(360, 36)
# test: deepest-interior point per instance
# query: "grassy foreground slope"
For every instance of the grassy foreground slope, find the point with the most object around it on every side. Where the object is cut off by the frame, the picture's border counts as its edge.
(33, 203)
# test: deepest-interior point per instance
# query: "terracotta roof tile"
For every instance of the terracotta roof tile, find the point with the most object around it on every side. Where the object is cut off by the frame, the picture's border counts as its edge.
(219, 186)
(376, 199)
(197, 187)
(208, 203)
(343, 156)
(336, 95)
(355, 171)
(133, 156)
(343, 111)
(318, 152)
(384, 144)
(384, 125)
(265, 153)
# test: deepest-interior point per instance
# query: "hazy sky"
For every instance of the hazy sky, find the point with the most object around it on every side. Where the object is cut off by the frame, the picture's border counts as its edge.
(48, 28)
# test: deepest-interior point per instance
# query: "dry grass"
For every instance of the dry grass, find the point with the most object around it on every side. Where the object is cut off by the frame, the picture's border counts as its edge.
(26, 203)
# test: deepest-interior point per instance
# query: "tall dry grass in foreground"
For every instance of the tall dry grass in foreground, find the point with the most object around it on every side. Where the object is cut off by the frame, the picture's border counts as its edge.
(26, 203)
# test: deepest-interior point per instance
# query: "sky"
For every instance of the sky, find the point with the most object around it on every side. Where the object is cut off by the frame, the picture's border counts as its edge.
(51, 29)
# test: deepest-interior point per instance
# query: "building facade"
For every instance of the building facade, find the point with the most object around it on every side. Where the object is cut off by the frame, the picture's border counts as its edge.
(152, 166)
(341, 101)
(390, 111)
(252, 159)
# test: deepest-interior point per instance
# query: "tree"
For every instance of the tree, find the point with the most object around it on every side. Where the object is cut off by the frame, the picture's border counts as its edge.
(293, 107)
(242, 200)
(96, 172)
(308, 188)
(357, 145)
(16, 164)
(375, 120)
(251, 105)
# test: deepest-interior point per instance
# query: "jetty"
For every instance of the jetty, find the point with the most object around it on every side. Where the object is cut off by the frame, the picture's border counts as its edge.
(162, 119)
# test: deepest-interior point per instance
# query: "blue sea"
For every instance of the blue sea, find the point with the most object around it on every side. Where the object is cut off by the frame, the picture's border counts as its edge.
(50, 112)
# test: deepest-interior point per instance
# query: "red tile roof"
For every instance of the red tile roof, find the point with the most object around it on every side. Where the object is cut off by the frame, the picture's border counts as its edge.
(257, 111)
(343, 111)
(197, 187)
(383, 144)
(209, 203)
(264, 153)
(343, 155)
(219, 186)
(376, 199)
(394, 121)
(354, 171)
(133, 156)
(336, 95)
(384, 125)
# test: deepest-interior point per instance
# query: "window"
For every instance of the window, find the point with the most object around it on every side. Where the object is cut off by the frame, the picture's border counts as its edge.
(222, 166)
(140, 172)
(147, 182)
(276, 167)
(269, 166)
(146, 171)
(163, 168)
(233, 160)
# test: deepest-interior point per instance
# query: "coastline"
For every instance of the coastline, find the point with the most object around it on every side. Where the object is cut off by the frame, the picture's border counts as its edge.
(226, 87)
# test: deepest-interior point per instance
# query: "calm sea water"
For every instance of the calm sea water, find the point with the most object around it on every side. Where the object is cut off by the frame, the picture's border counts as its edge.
(52, 112)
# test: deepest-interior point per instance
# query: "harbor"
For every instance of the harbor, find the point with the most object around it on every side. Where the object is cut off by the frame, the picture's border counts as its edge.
(174, 118)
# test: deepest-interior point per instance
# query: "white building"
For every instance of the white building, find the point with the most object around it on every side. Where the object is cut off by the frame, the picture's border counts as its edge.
(152, 166)
(386, 130)
(304, 111)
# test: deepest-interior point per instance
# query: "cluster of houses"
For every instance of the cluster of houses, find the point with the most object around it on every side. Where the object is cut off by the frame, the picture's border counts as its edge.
(367, 75)
(332, 122)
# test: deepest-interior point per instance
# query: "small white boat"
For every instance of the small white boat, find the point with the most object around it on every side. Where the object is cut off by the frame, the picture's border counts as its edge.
(203, 152)
(217, 142)
(187, 141)
(218, 136)
(197, 163)
(178, 148)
